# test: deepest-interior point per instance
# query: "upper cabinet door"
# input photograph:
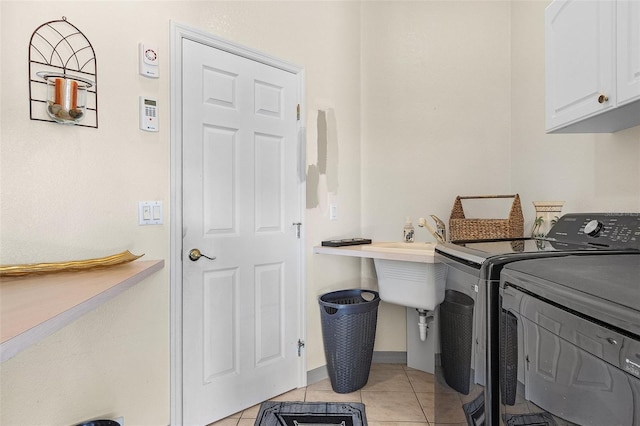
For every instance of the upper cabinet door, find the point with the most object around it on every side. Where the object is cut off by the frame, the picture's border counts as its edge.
(628, 51)
(580, 61)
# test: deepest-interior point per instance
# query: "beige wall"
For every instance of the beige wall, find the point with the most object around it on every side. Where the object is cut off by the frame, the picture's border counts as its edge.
(592, 172)
(429, 100)
(435, 114)
(453, 104)
(71, 193)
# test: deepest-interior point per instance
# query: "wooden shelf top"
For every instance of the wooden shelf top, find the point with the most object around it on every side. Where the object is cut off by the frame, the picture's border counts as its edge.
(34, 307)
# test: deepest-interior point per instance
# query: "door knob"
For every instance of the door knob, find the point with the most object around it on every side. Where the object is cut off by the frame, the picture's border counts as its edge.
(196, 254)
(602, 99)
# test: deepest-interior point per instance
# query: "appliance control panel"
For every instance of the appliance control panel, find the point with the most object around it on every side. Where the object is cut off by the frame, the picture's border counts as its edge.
(613, 230)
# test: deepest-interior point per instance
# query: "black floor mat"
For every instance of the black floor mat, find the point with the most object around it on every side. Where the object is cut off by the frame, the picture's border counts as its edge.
(532, 419)
(274, 413)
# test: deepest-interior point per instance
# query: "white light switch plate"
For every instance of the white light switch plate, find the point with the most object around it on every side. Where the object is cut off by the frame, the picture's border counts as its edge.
(150, 213)
(333, 212)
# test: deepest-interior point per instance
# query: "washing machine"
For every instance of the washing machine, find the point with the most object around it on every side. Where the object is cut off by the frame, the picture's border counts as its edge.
(474, 269)
(574, 325)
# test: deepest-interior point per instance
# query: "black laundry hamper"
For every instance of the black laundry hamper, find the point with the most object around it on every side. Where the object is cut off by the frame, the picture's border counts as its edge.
(456, 338)
(349, 329)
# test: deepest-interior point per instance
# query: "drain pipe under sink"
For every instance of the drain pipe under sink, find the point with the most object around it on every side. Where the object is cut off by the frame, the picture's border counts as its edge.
(424, 318)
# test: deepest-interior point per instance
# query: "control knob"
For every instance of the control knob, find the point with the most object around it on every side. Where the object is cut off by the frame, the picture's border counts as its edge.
(593, 228)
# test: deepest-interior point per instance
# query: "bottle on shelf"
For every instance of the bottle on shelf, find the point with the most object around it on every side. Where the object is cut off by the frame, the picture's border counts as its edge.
(409, 231)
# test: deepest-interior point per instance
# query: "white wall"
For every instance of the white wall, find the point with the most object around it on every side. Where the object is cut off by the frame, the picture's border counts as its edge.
(72, 193)
(591, 172)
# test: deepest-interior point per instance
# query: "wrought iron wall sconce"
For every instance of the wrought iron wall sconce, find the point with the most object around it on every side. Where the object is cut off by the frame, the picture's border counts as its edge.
(62, 75)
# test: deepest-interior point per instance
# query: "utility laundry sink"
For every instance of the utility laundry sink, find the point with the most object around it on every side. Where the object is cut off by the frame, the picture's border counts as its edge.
(414, 283)
(407, 272)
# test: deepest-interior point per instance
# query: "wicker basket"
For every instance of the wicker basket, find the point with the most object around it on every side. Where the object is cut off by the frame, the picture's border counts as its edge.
(463, 229)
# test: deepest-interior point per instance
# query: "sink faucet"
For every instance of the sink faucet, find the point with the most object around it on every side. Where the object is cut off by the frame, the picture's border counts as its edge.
(440, 233)
(441, 228)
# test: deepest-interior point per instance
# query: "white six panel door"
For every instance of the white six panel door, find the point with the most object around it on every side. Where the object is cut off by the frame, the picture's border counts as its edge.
(240, 200)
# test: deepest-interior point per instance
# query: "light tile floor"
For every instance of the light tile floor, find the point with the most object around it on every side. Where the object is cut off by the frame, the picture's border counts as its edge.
(395, 395)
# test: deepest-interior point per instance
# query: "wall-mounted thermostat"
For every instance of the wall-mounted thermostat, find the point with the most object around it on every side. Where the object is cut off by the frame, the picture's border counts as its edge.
(148, 60)
(148, 114)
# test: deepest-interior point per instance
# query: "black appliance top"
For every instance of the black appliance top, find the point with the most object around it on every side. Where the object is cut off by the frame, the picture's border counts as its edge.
(606, 288)
(572, 232)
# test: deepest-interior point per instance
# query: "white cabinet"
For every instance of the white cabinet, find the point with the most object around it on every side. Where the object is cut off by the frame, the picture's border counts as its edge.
(592, 52)
(628, 51)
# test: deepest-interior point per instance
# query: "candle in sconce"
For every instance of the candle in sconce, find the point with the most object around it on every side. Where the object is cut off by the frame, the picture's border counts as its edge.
(66, 93)
(58, 99)
(74, 94)
(66, 97)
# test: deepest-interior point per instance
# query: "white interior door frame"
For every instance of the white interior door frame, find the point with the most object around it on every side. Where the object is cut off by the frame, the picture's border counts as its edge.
(178, 32)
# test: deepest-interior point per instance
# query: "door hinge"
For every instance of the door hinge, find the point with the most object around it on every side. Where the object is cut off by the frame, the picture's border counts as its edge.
(298, 112)
(300, 346)
(297, 225)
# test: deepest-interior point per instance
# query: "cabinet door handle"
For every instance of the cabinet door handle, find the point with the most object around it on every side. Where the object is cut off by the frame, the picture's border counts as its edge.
(602, 99)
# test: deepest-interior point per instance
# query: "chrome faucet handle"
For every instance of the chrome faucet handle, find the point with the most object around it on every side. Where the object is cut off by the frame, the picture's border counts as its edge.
(439, 223)
(422, 222)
